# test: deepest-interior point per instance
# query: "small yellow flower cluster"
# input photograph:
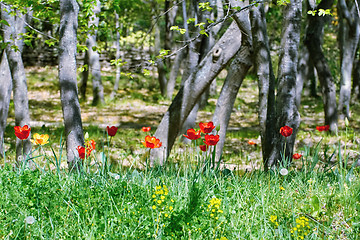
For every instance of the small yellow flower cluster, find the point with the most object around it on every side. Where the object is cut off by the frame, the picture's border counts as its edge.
(222, 238)
(273, 220)
(302, 228)
(214, 207)
(160, 200)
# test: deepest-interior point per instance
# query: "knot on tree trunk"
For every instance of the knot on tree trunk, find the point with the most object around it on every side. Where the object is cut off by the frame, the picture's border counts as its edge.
(216, 54)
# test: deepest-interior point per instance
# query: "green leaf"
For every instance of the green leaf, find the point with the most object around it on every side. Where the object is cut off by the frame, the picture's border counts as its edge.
(315, 203)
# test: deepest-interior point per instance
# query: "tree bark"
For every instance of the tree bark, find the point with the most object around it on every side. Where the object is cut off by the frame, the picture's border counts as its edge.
(84, 77)
(117, 56)
(19, 82)
(160, 64)
(349, 21)
(305, 73)
(192, 89)
(286, 110)
(313, 43)
(94, 57)
(225, 103)
(69, 10)
(266, 80)
(170, 85)
(356, 80)
(5, 95)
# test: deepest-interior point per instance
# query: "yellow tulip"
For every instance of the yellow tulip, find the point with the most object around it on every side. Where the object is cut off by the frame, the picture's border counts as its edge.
(40, 139)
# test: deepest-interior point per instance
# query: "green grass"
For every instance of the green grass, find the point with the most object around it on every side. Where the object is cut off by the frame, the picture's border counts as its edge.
(132, 204)
(321, 190)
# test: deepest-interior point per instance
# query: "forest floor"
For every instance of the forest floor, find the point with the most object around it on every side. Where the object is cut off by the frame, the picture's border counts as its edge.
(138, 103)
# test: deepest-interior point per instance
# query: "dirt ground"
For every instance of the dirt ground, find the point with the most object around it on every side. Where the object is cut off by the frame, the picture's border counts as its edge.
(136, 107)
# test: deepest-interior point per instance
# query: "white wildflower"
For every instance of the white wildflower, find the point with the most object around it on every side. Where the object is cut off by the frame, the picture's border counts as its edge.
(284, 171)
(30, 220)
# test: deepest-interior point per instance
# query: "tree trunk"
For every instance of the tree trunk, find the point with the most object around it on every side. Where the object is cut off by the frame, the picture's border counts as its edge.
(84, 77)
(266, 80)
(305, 73)
(286, 110)
(160, 63)
(170, 86)
(356, 80)
(236, 74)
(117, 56)
(351, 31)
(21, 102)
(313, 43)
(5, 95)
(69, 10)
(94, 57)
(192, 89)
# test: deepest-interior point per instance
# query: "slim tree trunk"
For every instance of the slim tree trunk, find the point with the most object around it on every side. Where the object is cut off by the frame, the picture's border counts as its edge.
(305, 68)
(266, 80)
(170, 86)
(94, 57)
(356, 80)
(160, 64)
(21, 102)
(192, 89)
(313, 43)
(84, 77)
(5, 95)
(351, 32)
(69, 10)
(117, 56)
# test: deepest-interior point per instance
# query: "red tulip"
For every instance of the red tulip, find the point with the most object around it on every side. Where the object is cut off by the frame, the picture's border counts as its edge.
(323, 128)
(296, 156)
(211, 139)
(22, 132)
(146, 129)
(111, 130)
(251, 142)
(90, 145)
(192, 134)
(286, 131)
(204, 148)
(81, 151)
(152, 142)
(206, 127)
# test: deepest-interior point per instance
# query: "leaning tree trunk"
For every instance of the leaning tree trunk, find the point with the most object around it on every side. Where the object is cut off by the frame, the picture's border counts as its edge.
(192, 89)
(196, 54)
(313, 43)
(266, 79)
(351, 32)
(286, 110)
(94, 56)
(225, 103)
(69, 10)
(5, 95)
(236, 74)
(21, 102)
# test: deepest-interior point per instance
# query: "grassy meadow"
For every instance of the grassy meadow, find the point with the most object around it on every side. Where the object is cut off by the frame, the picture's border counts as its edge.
(116, 196)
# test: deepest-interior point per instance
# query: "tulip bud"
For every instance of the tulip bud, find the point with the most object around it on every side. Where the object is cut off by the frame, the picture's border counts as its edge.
(218, 127)
(86, 136)
(346, 122)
